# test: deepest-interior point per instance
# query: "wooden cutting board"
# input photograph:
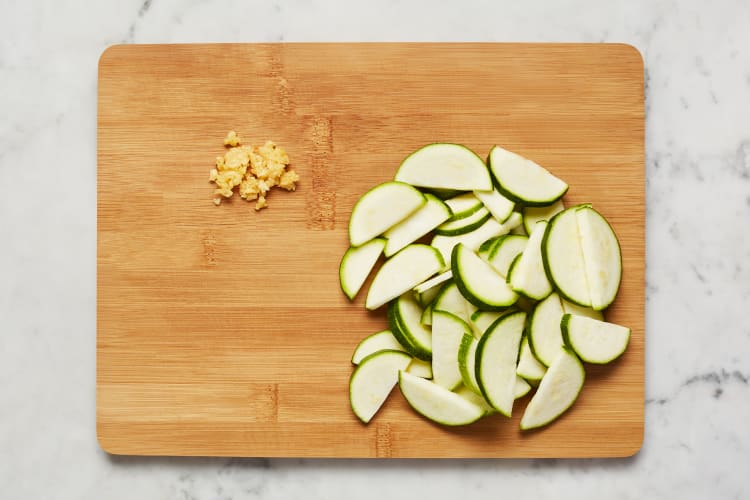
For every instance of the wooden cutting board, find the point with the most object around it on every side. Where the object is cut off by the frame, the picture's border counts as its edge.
(223, 331)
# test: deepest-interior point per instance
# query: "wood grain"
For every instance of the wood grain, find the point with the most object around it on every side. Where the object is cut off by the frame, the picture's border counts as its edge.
(222, 331)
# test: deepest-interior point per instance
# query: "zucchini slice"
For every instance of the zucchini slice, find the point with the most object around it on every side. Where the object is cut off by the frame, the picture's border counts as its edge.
(437, 403)
(373, 380)
(478, 281)
(381, 208)
(557, 391)
(596, 342)
(497, 353)
(445, 166)
(402, 272)
(522, 180)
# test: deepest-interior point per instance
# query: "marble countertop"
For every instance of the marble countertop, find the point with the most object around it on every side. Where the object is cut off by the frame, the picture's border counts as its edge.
(697, 58)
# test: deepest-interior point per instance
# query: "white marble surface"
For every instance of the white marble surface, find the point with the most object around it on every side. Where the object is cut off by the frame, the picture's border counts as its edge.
(697, 438)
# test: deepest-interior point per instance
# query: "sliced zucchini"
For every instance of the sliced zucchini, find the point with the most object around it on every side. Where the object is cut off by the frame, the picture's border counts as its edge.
(563, 258)
(437, 403)
(475, 398)
(519, 230)
(447, 332)
(527, 276)
(514, 221)
(402, 272)
(545, 336)
(445, 194)
(373, 380)
(478, 281)
(381, 208)
(496, 357)
(532, 215)
(426, 318)
(481, 320)
(594, 341)
(426, 298)
(485, 249)
(404, 315)
(429, 216)
(445, 166)
(522, 180)
(420, 368)
(426, 292)
(503, 252)
(571, 308)
(451, 300)
(557, 391)
(473, 240)
(463, 205)
(499, 206)
(602, 259)
(433, 283)
(467, 360)
(356, 265)
(528, 366)
(380, 341)
(521, 388)
(465, 225)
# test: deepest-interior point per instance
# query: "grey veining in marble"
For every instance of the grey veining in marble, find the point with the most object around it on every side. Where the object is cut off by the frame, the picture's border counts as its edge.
(697, 57)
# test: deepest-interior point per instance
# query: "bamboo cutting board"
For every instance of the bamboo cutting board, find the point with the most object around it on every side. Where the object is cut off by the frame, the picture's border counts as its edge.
(223, 331)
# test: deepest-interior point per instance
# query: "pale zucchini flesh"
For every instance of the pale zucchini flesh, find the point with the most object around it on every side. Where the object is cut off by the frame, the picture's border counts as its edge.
(475, 398)
(499, 206)
(433, 283)
(445, 166)
(467, 362)
(380, 341)
(473, 240)
(447, 332)
(496, 356)
(602, 260)
(420, 368)
(594, 341)
(557, 391)
(381, 208)
(521, 388)
(545, 336)
(437, 403)
(404, 317)
(465, 225)
(485, 249)
(356, 265)
(402, 272)
(425, 299)
(451, 300)
(532, 215)
(563, 258)
(463, 205)
(481, 320)
(429, 216)
(373, 380)
(514, 221)
(479, 282)
(426, 318)
(529, 367)
(528, 276)
(522, 180)
(571, 308)
(505, 250)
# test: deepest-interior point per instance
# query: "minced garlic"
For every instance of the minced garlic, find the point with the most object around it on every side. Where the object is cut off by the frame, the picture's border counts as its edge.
(255, 169)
